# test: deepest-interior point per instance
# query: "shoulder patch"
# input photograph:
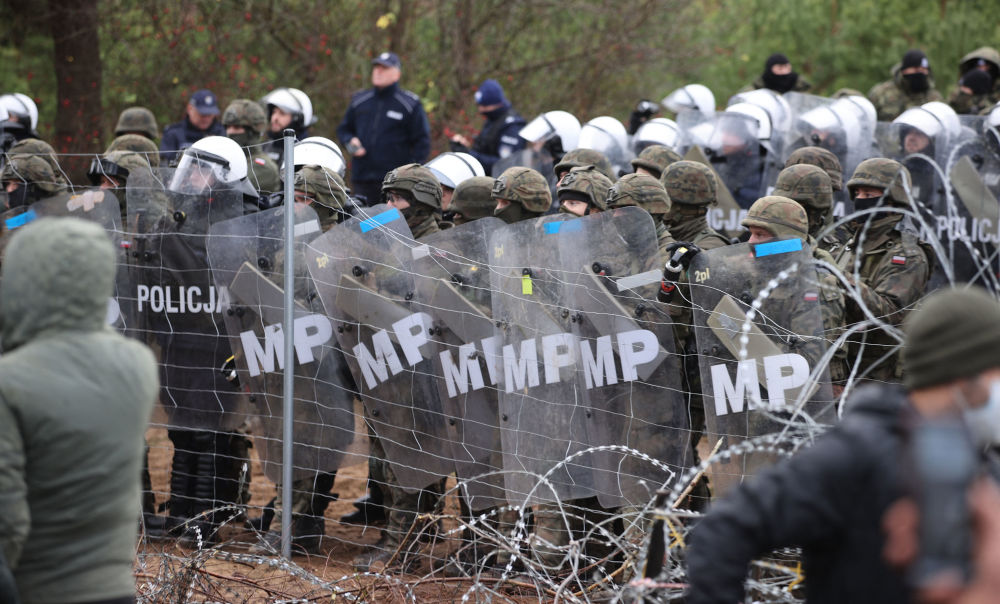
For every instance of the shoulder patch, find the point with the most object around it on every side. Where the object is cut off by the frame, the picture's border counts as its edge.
(259, 161)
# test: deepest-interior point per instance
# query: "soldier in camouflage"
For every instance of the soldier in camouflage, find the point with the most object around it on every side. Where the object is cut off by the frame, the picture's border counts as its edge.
(27, 179)
(809, 186)
(911, 85)
(584, 157)
(583, 191)
(776, 217)
(40, 148)
(138, 144)
(473, 199)
(692, 188)
(111, 171)
(137, 120)
(244, 121)
(978, 87)
(654, 159)
(325, 191)
(885, 260)
(416, 193)
(648, 193)
(520, 194)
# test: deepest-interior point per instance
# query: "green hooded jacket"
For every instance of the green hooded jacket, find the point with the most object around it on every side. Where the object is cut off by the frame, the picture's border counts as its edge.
(75, 400)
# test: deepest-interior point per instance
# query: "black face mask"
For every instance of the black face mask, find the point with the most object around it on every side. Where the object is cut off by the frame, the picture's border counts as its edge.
(511, 214)
(780, 83)
(246, 138)
(21, 196)
(917, 82)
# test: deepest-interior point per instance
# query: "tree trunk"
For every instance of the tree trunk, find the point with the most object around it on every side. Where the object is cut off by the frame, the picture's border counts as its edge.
(79, 126)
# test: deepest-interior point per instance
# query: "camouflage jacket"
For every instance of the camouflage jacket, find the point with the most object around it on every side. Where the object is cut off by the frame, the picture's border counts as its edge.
(427, 227)
(833, 307)
(801, 84)
(892, 272)
(262, 171)
(891, 98)
(973, 104)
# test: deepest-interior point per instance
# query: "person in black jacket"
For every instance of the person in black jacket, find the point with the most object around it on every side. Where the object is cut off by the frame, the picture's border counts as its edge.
(498, 138)
(385, 127)
(200, 120)
(830, 499)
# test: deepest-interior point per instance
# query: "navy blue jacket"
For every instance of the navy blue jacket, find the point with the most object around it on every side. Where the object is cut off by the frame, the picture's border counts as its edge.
(392, 127)
(498, 138)
(178, 137)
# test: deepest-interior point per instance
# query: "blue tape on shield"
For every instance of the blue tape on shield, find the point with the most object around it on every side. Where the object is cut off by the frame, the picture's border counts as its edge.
(380, 220)
(567, 226)
(20, 220)
(778, 247)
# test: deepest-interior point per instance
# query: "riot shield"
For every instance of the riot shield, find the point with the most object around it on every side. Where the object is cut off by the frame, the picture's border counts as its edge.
(362, 270)
(179, 308)
(453, 287)
(731, 145)
(727, 216)
(759, 333)
(542, 423)
(247, 257)
(541, 161)
(629, 379)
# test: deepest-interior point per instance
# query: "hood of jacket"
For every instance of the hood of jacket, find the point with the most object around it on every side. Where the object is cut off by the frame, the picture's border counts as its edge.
(58, 275)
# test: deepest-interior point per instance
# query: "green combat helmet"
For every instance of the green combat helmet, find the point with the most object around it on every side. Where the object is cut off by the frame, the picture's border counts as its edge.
(526, 190)
(117, 166)
(823, 158)
(36, 178)
(327, 188)
(587, 184)
(248, 115)
(655, 159)
(810, 186)
(137, 144)
(585, 157)
(690, 183)
(881, 173)
(40, 148)
(640, 190)
(137, 120)
(473, 199)
(781, 216)
(416, 183)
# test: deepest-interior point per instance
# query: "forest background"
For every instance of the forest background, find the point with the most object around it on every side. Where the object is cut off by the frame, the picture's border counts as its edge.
(83, 61)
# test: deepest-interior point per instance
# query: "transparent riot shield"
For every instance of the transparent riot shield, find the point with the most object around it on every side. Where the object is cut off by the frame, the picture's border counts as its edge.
(759, 332)
(362, 270)
(452, 278)
(543, 426)
(179, 309)
(247, 257)
(730, 143)
(541, 161)
(629, 379)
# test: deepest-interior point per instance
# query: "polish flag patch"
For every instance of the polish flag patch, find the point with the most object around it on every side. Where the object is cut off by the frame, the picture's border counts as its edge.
(899, 260)
(810, 296)
(259, 161)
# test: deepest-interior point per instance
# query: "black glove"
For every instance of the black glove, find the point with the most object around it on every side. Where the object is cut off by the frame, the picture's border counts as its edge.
(228, 371)
(681, 253)
(456, 147)
(644, 110)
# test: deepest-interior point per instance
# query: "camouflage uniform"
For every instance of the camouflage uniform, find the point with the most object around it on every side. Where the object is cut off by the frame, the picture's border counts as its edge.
(810, 186)
(526, 190)
(655, 159)
(137, 120)
(40, 148)
(585, 157)
(262, 171)
(139, 144)
(422, 190)
(328, 191)
(822, 158)
(648, 193)
(785, 218)
(801, 84)
(472, 199)
(37, 179)
(118, 165)
(587, 184)
(893, 271)
(974, 104)
(892, 97)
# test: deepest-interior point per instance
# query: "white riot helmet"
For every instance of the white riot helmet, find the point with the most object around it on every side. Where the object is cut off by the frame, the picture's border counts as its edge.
(991, 129)
(760, 117)
(936, 120)
(776, 106)
(214, 162)
(294, 101)
(318, 151)
(852, 117)
(553, 124)
(22, 106)
(692, 96)
(452, 168)
(605, 134)
(658, 131)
